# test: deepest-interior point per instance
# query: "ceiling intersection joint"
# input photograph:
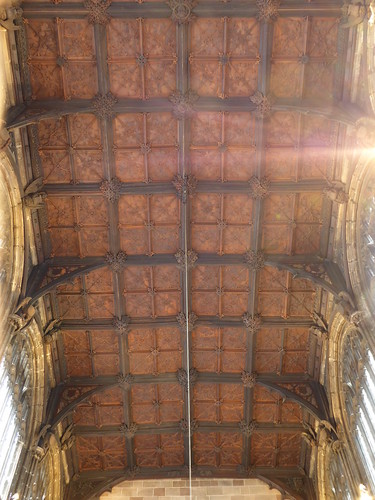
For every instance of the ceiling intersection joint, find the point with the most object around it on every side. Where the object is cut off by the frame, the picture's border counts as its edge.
(182, 10)
(111, 189)
(103, 105)
(183, 103)
(183, 377)
(263, 104)
(259, 187)
(268, 10)
(116, 261)
(190, 259)
(98, 11)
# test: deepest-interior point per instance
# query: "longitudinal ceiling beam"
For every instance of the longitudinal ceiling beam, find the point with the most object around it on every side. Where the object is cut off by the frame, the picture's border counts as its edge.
(35, 111)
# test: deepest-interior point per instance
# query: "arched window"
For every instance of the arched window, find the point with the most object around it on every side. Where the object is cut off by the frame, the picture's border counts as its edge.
(15, 381)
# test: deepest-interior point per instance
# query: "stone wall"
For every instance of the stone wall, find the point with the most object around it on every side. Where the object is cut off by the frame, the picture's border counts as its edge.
(203, 489)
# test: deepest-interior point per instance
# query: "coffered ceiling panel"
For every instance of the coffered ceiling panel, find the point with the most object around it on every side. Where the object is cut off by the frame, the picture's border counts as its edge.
(185, 229)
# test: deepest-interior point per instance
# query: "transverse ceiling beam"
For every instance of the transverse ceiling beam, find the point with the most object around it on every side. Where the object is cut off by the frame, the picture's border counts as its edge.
(204, 427)
(35, 111)
(136, 10)
(167, 187)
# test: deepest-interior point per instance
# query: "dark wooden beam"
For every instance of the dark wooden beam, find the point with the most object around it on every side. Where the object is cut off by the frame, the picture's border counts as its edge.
(167, 378)
(232, 322)
(167, 187)
(216, 8)
(204, 427)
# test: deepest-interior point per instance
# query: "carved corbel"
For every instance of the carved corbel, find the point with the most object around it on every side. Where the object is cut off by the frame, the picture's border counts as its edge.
(23, 315)
(52, 331)
(34, 197)
(7, 18)
(354, 12)
(336, 192)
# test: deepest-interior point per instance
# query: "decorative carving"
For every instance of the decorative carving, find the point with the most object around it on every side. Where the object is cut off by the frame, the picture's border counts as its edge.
(191, 258)
(320, 328)
(181, 320)
(247, 471)
(61, 61)
(183, 104)
(111, 189)
(247, 428)
(304, 59)
(116, 262)
(145, 148)
(185, 186)
(185, 428)
(98, 11)
(310, 436)
(248, 379)
(354, 12)
(259, 188)
(67, 439)
(52, 331)
(34, 197)
(336, 192)
(263, 104)
(22, 316)
(254, 260)
(296, 484)
(141, 60)
(103, 105)
(129, 430)
(183, 378)
(125, 380)
(252, 322)
(121, 324)
(268, 10)
(182, 10)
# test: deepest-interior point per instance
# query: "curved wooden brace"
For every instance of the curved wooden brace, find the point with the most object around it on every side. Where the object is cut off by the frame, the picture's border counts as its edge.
(303, 274)
(317, 413)
(66, 278)
(70, 407)
(45, 110)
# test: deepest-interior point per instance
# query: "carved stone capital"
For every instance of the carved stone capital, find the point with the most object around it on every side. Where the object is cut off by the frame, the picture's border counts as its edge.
(185, 186)
(247, 428)
(121, 324)
(268, 10)
(183, 104)
(103, 105)
(336, 193)
(259, 188)
(182, 10)
(182, 377)
(263, 104)
(129, 431)
(248, 379)
(182, 323)
(191, 258)
(252, 322)
(254, 260)
(116, 262)
(98, 11)
(111, 189)
(125, 380)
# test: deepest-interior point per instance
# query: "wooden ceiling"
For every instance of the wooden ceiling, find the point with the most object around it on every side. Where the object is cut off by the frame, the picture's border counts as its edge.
(214, 133)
